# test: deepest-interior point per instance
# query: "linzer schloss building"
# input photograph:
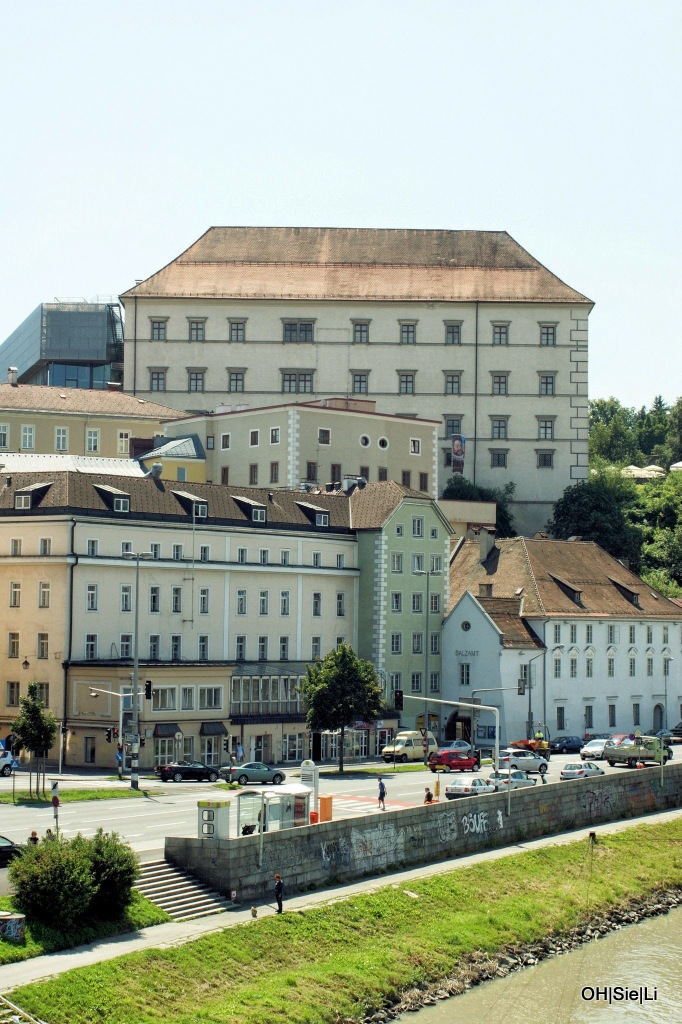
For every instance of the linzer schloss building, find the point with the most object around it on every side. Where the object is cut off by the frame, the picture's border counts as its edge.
(462, 327)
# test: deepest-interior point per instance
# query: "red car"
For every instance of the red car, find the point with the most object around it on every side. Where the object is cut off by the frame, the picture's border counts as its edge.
(454, 761)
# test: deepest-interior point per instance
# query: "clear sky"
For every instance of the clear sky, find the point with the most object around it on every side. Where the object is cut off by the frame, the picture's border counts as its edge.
(129, 128)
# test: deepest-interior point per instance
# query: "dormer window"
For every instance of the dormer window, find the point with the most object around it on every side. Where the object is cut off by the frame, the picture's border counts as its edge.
(121, 504)
(322, 519)
(22, 500)
(258, 515)
(200, 511)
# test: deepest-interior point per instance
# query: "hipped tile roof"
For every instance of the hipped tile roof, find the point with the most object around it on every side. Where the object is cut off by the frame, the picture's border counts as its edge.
(547, 569)
(357, 263)
(78, 401)
(506, 614)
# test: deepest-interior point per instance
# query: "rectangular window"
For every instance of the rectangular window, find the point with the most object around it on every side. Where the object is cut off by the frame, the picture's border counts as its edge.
(611, 667)
(666, 667)
(43, 646)
(360, 332)
(396, 562)
(340, 604)
(177, 552)
(311, 472)
(324, 436)
(196, 330)
(43, 693)
(240, 648)
(284, 602)
(336, 473)
(176, 599)
(406, 478)
(406, 383)
(155, 550)
(360, 383)
(612, 634)
(157, 380)
(649, 634)
(91, 646)
(210, 698)
(589, 668)
(545, 430)
(235, 381)
(158, 330)
(203, 601)
(262, 648)
(126, 642)
(573, 668)
(453, 334)
(315, 647)
(498, 429)
(15, 595)
(547, 334)
(284, 648)
(435, 602)
(298, 330)
(557, 668)
(92, 441)
(560, 719)
(317, 604)
(204, 553)
(434, 642)
(91, 597)
(237, 330)
(22, 500)
(13, 645)
(573, 634)
(45, 545)
(195, 380)
(264, 556)
(464, 674)
(612, 716)
(12, 695)
(453, 383)
(500, 383)
(154, 646)
(176, 647)
(263, 602)
(15, 547)
(589, 716)
(4, 435)
(498, 458)
(224, 441)
(123, 442)
(396, 601)
(274, 472)
(253, 474)
(423, 481)
(61, 439)
(408, 334)
(417, 526)
(285, 557)
(453, 425)
(417, 643)
(396, 643)
(649, 667)
(666, 635)
(631, 634)
(632, 662)
(154, 599)
(28, 438)
(635, 714)
(187, 698)
(417, 606)
(557, 633)
(547, 384)
(241, 556)
(164, 698)
(241, 602)
(297, 383)
(545, 460)
(589, 633)
(317, 559)
(43, 595)
(416, 682)
(500, 334)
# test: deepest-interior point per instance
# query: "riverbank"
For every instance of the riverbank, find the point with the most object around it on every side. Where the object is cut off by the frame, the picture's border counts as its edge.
(367, 954)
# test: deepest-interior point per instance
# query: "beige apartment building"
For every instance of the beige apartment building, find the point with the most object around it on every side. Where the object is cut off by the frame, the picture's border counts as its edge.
(462, 327)
(310, 443)
(74, 421)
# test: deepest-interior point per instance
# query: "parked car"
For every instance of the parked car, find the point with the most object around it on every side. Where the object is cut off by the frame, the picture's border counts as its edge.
(468, 787)
(454, 761)
(676, 731)
(455, 745)
(566, 745)
(508, 777)
(527, 760)
(581, 770)
(253, 771)
(622, 749)
(9, 850)
(186, 771)
(593, 750)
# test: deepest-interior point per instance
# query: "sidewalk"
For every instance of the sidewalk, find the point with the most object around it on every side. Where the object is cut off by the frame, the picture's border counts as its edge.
(176, 933)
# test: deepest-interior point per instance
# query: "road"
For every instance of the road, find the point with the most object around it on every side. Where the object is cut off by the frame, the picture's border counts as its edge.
(171, 808)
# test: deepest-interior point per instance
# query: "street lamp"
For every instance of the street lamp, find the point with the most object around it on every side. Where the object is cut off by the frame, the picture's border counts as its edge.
(135, 746)
(666, 672)
(429, 574)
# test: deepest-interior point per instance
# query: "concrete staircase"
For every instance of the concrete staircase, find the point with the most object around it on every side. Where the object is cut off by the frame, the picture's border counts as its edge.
(178, 892)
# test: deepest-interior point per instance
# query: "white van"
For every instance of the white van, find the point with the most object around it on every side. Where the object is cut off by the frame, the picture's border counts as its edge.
(409, 746)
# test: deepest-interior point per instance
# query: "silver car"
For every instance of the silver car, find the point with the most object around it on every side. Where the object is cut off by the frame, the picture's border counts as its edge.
(527, 760)
(593, 750)
(581, 770)
(468, 787)
(254, 771)
(510, 777)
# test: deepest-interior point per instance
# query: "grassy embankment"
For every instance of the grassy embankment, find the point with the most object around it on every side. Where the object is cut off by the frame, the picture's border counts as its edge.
(343, 959)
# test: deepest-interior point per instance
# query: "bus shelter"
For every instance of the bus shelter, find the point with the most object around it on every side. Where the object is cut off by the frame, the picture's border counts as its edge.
(270, 810)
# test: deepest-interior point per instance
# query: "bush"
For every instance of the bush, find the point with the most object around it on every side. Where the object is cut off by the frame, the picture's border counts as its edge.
(54, 883)
(61, 882)
(115, 868)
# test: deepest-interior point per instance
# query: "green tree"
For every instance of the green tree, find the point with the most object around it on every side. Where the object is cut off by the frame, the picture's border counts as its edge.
(340, 690)
(53, 882)
(458, 488)
(114, 868)
(674, 438)
(596, 510)
(651, 428)
(35, 730)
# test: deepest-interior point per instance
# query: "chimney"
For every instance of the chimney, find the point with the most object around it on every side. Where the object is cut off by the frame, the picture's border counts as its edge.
(486, 543)
(12, 372)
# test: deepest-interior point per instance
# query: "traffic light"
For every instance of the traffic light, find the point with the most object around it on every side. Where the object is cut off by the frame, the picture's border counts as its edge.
(398, 700)
(522, 687)
(108, 735)
(226, 745)
(115, 734)
(148, 690)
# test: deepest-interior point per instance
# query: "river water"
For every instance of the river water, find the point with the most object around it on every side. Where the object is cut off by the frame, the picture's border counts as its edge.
(563, 989)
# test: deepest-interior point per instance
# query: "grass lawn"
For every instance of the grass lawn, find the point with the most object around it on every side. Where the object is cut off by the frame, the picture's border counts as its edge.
(315, 966)
(67, 796)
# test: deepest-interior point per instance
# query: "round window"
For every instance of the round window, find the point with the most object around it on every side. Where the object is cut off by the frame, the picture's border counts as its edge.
(364, 441)
(466, 626)
(383, 442)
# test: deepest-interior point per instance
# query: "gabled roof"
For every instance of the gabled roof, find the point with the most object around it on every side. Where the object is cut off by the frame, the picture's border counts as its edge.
(374, 503)
(357, 263)
(77, 401)
(505, 612)
(552, 573)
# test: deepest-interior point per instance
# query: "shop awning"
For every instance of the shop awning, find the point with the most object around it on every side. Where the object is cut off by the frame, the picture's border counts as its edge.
(212, 729)
(165, 729)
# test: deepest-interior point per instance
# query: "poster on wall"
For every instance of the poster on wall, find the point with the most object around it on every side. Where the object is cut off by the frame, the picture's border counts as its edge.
(458, 449)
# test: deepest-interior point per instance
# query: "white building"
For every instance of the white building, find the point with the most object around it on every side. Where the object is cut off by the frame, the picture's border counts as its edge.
(464, 327)
(600, 649)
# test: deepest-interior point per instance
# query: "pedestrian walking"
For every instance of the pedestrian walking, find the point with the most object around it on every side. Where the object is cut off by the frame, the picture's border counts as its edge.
(279, 892)
(428, 795)
(33, 838)
(240, 753)
(382, 794)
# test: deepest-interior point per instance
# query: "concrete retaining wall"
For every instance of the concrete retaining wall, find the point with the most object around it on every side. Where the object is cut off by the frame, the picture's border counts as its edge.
(341, 851)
